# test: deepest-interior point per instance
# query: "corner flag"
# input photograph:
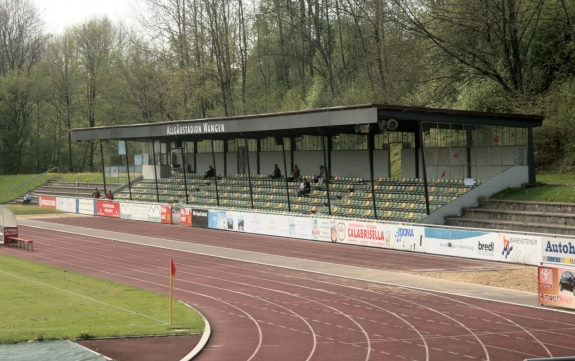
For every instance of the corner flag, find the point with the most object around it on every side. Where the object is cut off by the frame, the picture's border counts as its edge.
(172, 275)
(172, 267)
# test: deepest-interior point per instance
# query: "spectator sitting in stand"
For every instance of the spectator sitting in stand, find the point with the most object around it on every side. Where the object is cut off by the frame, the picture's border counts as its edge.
(321, 178)
(96, 193)
(27, 199)
(209, 173)
(304, 187)
(276, 173)
(294, 175)
(109, 195)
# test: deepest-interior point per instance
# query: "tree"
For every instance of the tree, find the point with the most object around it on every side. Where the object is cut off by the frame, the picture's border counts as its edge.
(94, 42)
(22, 43)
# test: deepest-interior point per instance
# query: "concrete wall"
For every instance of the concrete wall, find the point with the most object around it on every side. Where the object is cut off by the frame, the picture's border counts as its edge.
(451, 163)
(513, 177)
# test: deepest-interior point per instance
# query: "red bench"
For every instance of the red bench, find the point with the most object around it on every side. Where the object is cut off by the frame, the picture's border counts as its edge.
(21, 243)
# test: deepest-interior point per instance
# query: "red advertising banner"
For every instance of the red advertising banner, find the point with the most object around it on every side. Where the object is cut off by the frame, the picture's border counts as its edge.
(108, 209)
(556, 286)
(10, 232)
(186, 216)
(167, 214)
(47, 202)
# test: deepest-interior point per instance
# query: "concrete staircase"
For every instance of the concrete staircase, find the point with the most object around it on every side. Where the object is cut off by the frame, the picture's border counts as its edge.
(65, 189)
(540, 217)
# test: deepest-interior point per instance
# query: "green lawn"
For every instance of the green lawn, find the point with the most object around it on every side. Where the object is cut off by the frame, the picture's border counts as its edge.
(41, 302)
(95, 178)
(7, 182)
(20, 210)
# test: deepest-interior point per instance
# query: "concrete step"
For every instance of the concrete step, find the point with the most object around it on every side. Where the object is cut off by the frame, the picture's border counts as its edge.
(510, 226)
(565, 219)
(541, 207)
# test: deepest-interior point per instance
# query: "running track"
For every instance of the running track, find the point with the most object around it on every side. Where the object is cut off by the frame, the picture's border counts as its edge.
(261, 312)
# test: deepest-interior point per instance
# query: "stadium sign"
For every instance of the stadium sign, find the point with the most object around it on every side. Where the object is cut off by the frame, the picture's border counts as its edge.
(202, 128)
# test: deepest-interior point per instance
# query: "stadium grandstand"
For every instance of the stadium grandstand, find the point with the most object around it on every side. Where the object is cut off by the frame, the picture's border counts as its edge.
(448, 159)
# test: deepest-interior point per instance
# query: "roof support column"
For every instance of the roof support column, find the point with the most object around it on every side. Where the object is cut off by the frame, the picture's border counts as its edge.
(103, 169)
(326, 170)
(184, 166)
(215, 171)
(258, 150)
(128, 168)
(370, 146)
(285, 172)
(156, 170)
(423, 167)
(469, 143)
(417, 149)
(291, 152)
(225, 158)
(531, 156)
(249, 172)
(195, 158)
(329, 149)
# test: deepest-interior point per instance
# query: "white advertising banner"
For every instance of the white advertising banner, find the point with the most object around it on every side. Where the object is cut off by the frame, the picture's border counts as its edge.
(65, 204)
(260, 223)
(141, 212)
(558, 250)
(360, 233)
(321, 229)
(519, 248)
(87, 206)
(299, 227)
(459, 243)
(407, 238)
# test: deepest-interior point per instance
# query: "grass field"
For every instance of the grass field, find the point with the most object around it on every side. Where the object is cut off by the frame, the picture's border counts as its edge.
(7, 182)
(41, 302)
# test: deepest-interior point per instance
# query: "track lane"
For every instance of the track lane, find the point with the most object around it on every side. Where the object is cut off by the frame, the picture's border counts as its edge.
(387, 337)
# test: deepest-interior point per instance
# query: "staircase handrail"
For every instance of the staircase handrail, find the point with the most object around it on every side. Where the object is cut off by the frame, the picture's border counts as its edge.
(30, 180)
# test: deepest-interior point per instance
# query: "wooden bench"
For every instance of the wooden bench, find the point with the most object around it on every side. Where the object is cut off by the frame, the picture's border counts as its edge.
(21, 243)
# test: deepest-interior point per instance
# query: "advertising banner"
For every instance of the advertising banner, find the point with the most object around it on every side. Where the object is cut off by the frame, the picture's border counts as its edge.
(217, 219)
(69, 205)
(87, 206)
(47, 202)
(407, 238)
(459, 243)
(9, 232)
(200, 218)
(141, 212)
(299, 227)
(321, 229)
(186, 216)
(518, 248)
(558, 250)
(108, 209)
(166, 214)
(556, 286)
(360, 233)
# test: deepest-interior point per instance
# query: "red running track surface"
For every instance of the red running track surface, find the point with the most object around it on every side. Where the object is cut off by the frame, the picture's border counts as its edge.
(267, 313)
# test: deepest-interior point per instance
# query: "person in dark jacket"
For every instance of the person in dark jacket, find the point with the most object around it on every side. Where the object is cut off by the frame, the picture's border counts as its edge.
(209, 173)
(276, 173)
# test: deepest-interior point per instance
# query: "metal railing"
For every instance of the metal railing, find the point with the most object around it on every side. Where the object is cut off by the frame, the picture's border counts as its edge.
(30, 180)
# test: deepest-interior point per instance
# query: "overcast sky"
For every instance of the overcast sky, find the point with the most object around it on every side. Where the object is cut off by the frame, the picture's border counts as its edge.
(58, 14)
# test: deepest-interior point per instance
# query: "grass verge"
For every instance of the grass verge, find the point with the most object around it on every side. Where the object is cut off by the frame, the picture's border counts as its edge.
(26, 210)
(42, 302)
(7, 182)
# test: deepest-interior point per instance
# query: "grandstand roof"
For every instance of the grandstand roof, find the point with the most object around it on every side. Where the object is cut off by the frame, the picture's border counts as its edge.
(334, 120)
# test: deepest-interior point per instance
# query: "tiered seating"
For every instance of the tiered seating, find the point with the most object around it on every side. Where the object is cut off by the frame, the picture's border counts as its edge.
(397, 199)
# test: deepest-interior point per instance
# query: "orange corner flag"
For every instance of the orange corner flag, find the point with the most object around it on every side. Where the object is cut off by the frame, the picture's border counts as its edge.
(172, 267)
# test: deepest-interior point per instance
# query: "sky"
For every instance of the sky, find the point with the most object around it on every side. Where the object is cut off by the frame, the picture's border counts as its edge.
(59, 14)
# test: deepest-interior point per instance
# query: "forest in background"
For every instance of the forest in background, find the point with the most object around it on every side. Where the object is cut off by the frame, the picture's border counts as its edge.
(190, 59)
